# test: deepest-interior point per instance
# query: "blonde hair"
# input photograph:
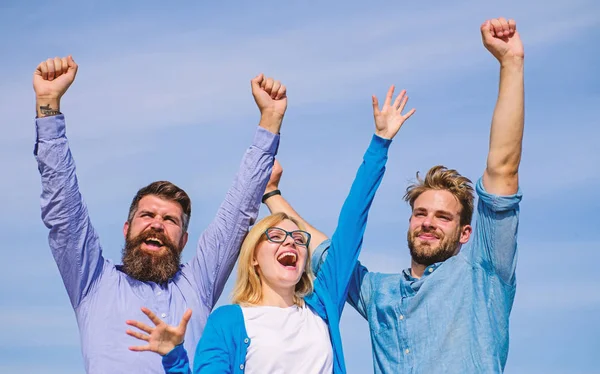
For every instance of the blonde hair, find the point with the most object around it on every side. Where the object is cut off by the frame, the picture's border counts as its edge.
(441, 178)
(247, 289)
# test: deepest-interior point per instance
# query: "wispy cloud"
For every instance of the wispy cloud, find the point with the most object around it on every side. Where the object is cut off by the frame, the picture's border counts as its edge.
(184, 77)
(164, 94)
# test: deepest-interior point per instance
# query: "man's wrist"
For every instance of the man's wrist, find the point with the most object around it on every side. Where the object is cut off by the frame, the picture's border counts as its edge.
(271, 121)
(46, 107)
(512, 63)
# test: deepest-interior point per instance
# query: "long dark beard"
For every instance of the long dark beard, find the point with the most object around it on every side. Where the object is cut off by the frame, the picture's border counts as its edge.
(148, 267)
(424, 254)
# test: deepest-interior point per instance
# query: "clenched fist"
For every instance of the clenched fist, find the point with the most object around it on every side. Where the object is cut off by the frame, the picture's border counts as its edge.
(53, 77)
(51, 80)
(271, 99)
(502, 39)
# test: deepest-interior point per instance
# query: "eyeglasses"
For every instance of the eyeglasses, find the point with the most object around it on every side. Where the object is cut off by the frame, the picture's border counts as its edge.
(278, 235)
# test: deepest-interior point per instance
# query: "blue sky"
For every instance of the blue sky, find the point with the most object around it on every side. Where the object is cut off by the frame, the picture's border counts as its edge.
(163, 93)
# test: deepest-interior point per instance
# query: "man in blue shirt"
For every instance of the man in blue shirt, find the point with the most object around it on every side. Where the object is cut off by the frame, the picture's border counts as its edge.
(105, 295)
(449, 312)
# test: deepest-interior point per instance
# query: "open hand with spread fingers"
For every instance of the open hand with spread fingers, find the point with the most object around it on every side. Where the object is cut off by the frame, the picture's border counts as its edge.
(501, 38)
(389, 119)
(163, 337)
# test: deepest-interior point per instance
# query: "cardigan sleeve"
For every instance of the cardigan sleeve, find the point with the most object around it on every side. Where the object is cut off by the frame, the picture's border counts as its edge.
(336, 271)
(176, 361)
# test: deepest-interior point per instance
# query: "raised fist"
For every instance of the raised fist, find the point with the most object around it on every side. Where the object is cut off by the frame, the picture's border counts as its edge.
(53, 77)
(389, 119)
(270, 95)
(502, 39)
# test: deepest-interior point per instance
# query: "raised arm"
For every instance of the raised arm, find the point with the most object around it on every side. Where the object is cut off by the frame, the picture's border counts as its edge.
(72, 239)
(502, 39)
(277, 203)
(219, 245)
(346, 242)
(495, 236)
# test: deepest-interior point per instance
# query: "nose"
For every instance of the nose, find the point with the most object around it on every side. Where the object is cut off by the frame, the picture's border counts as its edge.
(157, 224)
(428, 222)
(288, 240)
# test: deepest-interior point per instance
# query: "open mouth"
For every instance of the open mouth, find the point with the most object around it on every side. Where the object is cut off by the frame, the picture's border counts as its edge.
(153, 243)
(287, 259)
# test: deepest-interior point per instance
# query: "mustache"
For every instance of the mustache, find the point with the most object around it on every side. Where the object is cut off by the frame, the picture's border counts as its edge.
(137, 241)
(151, 267)
(433, 232)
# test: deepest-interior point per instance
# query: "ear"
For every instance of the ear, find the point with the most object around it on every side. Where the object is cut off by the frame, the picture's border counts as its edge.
(184, 239)
(125, 229)
(465, 234)
(254, 262)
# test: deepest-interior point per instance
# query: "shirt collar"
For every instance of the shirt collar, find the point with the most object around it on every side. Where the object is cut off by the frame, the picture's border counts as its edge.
(428, 271)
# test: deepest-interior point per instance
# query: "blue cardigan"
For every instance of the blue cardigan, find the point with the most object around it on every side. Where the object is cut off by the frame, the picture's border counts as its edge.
(222, 348)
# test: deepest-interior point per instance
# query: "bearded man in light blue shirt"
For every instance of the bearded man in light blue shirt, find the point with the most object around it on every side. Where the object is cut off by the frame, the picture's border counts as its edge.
(449, 312)
(105, 295)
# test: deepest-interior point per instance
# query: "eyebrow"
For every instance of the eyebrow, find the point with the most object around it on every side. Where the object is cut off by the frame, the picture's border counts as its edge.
(166, 215)
(443, 212)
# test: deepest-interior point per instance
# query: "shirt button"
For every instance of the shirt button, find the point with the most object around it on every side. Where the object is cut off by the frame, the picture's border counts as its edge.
(158, 293)
(246, 340)
(163, 315)
(431, 270)
(407, 351)
(401, 316)
(242, 367)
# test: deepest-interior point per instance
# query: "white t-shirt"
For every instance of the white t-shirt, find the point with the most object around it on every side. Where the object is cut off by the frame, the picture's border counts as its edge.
(287, 341)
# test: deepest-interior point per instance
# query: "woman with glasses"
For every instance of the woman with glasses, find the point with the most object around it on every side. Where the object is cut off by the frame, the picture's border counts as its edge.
(283, 318)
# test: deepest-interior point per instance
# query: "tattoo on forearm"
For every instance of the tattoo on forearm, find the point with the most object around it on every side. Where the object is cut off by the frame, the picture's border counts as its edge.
(47, 111)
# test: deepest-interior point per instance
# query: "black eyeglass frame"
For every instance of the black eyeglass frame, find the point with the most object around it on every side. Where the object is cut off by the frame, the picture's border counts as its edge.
(290, 234)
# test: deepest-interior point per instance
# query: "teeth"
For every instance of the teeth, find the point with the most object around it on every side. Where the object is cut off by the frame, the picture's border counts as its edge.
(287, 254)
(155, 240)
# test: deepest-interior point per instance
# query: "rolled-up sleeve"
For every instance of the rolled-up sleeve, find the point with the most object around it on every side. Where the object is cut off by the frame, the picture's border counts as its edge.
(496, 228)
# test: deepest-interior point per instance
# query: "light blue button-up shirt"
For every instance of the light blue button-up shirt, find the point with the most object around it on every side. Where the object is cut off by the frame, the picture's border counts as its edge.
(454, 319)
(104, 297)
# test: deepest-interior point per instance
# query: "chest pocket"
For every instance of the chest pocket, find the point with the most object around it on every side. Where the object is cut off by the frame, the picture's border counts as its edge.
(384, 321)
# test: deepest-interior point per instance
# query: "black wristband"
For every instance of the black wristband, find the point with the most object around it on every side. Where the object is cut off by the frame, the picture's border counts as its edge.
(269, 194)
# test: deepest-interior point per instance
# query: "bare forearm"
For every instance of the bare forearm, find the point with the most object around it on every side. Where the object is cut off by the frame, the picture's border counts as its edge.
(277, 204)
(506, 135)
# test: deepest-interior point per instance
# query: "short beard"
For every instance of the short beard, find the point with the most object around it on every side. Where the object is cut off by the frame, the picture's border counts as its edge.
(425, 254)
(148, 267)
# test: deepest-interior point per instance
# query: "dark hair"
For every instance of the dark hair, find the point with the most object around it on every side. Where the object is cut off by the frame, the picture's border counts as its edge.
(441, 178)
(167, 191)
